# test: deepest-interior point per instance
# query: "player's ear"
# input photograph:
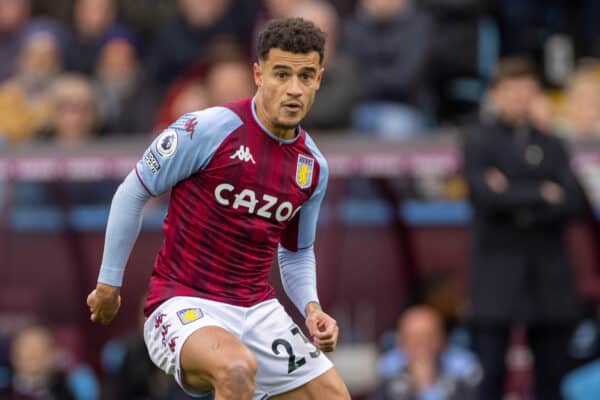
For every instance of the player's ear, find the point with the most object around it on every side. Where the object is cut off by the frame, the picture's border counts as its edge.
(319, 77)
(258, 74)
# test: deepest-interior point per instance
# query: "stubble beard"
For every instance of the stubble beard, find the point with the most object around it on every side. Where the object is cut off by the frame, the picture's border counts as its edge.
(285, 126)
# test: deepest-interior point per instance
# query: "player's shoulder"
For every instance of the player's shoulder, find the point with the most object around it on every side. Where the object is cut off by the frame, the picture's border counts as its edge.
(314, 149)
(209, 120)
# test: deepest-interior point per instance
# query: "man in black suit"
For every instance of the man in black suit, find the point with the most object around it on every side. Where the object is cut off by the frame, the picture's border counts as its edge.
(524, 193)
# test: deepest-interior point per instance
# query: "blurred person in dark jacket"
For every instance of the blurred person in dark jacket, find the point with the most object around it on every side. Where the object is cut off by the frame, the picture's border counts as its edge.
(524, 194)
(391, 45)
(92, 21)
(424, 366)
(463, 53)
(186, 42)
(340, 87)
(127, 100)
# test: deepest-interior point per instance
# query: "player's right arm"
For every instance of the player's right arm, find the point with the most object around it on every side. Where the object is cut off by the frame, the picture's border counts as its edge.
(122, 229)
(178, 152)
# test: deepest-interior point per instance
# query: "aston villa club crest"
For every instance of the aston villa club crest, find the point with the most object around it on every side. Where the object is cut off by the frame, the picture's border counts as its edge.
(304, 171)
(189, 315)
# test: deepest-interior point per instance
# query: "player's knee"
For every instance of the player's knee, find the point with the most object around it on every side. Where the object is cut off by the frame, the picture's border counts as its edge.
(341, 393)
(237, 374)
(335, 388)
(338, 391)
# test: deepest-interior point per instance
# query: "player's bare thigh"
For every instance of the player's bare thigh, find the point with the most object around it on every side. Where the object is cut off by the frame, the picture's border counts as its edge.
(328, 386)
(214, 358)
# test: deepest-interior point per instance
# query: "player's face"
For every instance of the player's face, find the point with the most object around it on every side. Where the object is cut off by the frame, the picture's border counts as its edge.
(287, 84)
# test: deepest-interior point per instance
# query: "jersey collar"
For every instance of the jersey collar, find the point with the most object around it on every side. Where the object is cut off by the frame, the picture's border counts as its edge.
(268, 132)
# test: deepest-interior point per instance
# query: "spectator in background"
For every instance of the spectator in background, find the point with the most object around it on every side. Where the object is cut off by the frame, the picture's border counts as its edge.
(228, 80)
(218, 78)
(126, 99)
(14, 15)
(188, 96)
(456, 27)
(443, 290)
(131, 375)
(463, 53)
(526, 25)
(24, 106)
(391, 45)
(184, 44)
(524, 194)
(147, 17)
(580, 117)
(37, 375)
(340, 88)
(582, 383)
(423, 366)
(74, 114)
(279, 8)
(271, 9)
(93, 20)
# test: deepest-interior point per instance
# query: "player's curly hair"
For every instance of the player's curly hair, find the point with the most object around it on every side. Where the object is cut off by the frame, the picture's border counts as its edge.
(295, 35)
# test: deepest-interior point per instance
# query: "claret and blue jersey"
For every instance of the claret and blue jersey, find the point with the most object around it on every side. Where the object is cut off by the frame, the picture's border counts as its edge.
(237, 191)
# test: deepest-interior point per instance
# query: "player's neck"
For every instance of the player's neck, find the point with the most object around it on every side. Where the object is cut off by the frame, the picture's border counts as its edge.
(261, 114)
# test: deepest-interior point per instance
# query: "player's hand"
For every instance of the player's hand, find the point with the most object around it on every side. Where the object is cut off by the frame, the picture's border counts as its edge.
(104, 303)
(322, 328)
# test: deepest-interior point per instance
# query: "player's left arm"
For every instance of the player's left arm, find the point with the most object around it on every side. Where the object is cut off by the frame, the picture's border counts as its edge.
(298, 275)
(297, 266)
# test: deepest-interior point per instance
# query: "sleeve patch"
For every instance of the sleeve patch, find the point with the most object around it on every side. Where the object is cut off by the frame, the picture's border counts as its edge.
(166, 144)
(151, 162)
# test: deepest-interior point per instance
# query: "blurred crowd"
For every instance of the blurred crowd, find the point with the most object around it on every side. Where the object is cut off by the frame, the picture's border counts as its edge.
(515, 74)
(73, 70)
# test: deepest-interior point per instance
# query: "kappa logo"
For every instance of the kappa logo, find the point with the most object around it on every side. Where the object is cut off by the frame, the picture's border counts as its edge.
(243, 153)
(190, 126)
(164, 332)
(172, 344)
(159, 320)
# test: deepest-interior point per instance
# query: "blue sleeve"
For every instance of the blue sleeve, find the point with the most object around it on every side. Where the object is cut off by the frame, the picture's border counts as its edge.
(309, 213)
(184, 147)
(122, 229)
(299, 276)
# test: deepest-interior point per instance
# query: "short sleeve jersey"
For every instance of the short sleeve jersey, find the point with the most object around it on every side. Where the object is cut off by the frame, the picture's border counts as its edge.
(236, 192)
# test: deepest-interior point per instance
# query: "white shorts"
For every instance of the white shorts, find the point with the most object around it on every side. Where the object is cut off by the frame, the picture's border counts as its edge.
(286, 359)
